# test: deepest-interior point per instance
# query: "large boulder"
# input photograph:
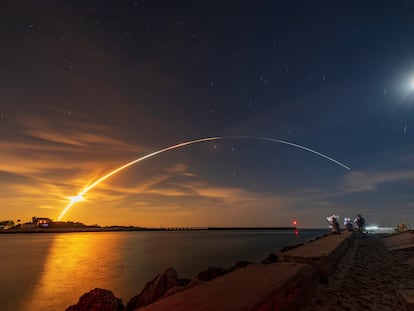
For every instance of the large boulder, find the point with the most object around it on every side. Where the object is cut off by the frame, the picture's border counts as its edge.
(214, 272)
(272, 258)
(154, 289)
(211, 273)
(239, 265)
(98, 300)
(290, 247)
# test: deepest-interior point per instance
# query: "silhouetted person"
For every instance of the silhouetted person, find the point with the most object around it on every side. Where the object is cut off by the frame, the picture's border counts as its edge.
(360, 221)
(335, 226)
(348, 224)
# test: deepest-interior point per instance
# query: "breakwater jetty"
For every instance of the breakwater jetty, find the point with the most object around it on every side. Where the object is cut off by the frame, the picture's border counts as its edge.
(287, 284)
(286, 280)
(348, 271)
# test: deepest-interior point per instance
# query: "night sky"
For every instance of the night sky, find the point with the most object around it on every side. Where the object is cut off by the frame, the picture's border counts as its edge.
(87, 86)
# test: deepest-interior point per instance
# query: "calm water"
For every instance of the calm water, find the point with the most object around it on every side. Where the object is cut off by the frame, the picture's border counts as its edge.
(51, 271)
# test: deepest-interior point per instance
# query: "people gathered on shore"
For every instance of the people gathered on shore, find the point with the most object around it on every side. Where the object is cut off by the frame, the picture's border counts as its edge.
(334, 224)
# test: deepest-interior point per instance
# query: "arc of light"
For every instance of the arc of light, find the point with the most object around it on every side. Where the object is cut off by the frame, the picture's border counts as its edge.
(79, 197)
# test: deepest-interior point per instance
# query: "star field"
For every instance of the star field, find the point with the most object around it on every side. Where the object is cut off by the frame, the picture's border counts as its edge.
(87, 86)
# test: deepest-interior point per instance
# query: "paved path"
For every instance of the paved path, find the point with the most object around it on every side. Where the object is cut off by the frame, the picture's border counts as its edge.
(369, 278)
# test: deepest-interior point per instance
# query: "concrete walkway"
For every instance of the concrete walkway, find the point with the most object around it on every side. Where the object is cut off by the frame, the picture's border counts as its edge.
(323, 254)
(400, 241)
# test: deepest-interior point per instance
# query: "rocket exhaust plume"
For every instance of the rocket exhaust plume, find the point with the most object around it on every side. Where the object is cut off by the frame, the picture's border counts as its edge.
(79, 196)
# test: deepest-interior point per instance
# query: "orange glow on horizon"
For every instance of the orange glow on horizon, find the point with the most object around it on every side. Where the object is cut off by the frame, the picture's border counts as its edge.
(97, 182)
(128, 165)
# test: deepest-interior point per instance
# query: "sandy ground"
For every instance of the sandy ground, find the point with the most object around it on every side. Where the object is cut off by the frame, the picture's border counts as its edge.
(369, 278)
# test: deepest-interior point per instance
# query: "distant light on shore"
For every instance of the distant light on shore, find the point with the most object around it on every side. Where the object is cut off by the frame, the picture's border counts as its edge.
(376, 229)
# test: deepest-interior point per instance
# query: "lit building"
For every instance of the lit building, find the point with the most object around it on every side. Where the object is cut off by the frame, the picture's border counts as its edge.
(41, 222)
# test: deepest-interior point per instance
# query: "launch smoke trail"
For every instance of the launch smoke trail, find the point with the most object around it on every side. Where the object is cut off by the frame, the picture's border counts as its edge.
(79, 197)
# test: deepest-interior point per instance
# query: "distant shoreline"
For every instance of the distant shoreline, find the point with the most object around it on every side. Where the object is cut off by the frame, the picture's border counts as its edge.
(124, 229)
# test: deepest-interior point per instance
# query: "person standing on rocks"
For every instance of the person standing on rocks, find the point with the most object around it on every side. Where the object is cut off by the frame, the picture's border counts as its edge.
(360, 221)
(348, 224)
(335, 226)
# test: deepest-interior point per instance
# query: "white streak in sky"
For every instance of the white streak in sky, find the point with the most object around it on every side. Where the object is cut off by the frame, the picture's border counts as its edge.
(94, 184)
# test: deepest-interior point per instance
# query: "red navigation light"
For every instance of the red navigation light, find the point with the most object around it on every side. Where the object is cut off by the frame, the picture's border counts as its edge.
(294, 222)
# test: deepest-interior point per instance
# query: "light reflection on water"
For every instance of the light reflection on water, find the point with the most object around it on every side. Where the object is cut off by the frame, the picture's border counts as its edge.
(75, 263)
(71, 264)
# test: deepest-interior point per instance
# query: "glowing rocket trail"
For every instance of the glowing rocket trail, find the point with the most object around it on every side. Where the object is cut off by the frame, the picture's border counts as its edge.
(79, 197)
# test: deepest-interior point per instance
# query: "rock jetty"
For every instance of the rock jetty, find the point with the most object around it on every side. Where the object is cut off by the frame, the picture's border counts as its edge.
(291, 279)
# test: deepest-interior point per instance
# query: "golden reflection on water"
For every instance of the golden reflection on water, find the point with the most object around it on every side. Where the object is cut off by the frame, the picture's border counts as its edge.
(87, 260)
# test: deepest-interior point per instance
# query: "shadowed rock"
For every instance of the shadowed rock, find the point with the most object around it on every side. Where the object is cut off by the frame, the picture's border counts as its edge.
(239, 264)
(211, 273)
(183, 282)
(182, 285)
(290, 247)
(270, 259)
(155, 289)
(98, 300)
